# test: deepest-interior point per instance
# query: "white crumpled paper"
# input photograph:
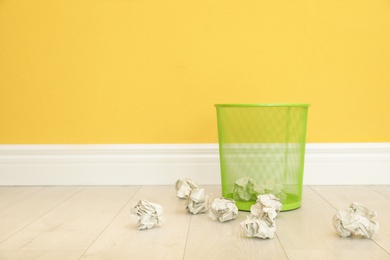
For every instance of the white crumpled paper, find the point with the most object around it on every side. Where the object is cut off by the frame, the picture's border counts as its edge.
(223, 209)
(267, 207)
(246, 189)
(257, 227)
(261, 222)
(197, 201)
(184, 187)
(275, 187)
(146, 214)
(355, 220)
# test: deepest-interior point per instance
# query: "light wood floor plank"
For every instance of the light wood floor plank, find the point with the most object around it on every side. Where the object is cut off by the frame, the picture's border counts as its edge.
(6, 191)
(122, 239)
(337, 254)
(307, 233)
(215, 240)
(342, 196)
(26, 204)
(40, 255)
(74, 224)
(382, 189)
(94, 223)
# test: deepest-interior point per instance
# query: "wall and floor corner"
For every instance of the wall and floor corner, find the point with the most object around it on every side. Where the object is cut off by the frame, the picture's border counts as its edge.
(102, 92)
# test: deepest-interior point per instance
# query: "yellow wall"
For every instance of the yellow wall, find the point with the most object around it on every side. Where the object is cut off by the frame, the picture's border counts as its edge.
(150, 71)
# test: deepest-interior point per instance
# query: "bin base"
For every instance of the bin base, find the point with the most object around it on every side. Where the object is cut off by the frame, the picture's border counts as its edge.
(291, 202)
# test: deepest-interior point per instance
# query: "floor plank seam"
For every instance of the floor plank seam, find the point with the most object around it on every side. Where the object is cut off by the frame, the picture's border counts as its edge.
(384, 195)
(378, 192)
(104, 229)
(188, 234)
(281, 245)
(330, 204)
(43, 214)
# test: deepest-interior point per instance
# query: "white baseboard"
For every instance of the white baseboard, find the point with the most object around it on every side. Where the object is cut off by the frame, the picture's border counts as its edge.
(163, 164)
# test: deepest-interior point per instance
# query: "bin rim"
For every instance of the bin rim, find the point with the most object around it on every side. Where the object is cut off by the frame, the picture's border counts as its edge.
(264, 105)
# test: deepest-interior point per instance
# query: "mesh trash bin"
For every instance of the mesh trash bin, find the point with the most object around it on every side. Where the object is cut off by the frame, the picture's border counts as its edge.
(262, 150)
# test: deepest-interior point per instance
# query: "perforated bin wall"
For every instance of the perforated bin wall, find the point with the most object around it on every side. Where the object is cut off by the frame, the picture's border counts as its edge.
(262, 150)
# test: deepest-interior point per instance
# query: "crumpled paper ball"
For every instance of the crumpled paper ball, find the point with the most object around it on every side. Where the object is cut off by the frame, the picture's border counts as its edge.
(146, 214)
(247, 189)
(275, 187)
(261, 222)
(257, 227)
(197, 201)
(355, 220)
(223, 209)
(267, 207)
(184, 187)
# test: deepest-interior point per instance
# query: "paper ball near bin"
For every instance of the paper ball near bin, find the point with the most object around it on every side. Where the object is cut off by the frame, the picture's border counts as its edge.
(264, 143)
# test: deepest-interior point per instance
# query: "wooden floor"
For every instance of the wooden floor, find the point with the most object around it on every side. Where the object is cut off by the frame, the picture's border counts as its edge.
(94, 223)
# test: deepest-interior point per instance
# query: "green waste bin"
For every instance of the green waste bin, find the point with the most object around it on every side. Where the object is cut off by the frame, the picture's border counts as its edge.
(262, 150)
